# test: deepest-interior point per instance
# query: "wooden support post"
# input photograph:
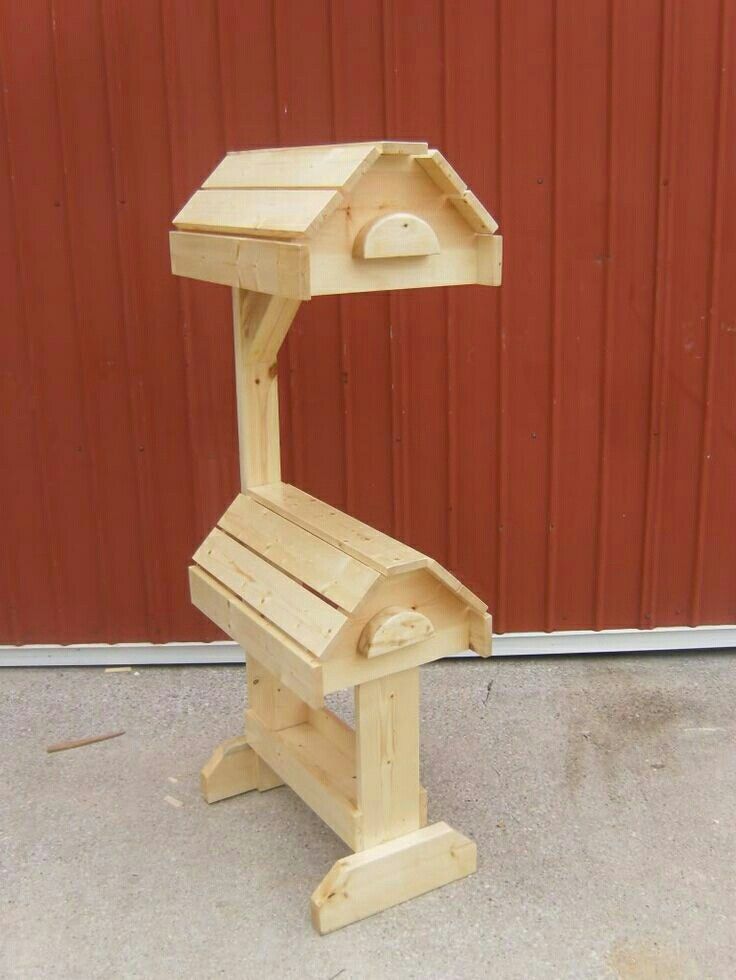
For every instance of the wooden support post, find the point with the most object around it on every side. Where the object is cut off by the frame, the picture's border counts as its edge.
(387, 756)
(276, 707)
(398, 857)
(260, 324)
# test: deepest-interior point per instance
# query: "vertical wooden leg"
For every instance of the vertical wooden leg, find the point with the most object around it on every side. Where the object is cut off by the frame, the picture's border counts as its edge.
(400, 857)
(234, 767)
(387, 756)
(277, 707)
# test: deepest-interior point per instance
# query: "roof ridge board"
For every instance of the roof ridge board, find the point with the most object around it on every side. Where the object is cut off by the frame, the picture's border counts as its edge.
(274, 187)
(431, 565)
(256, 494)
(417, 560)
(386, 146)
(301, 146)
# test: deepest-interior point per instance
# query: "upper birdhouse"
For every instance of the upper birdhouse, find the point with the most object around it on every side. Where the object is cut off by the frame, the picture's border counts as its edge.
(308, 221)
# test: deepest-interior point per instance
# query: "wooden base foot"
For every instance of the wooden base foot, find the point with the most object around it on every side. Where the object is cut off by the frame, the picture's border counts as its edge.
(234, 768)
(388, 874)
(231, 769)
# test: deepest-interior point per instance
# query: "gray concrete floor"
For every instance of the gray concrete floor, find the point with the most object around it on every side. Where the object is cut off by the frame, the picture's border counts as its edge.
(600, 792)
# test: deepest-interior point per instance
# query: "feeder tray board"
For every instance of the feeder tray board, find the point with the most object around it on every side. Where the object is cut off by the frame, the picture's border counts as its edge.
(318, 600)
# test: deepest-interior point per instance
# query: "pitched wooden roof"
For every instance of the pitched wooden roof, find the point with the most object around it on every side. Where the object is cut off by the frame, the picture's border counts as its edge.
(305, 567)
(303, 166)
(288, 192)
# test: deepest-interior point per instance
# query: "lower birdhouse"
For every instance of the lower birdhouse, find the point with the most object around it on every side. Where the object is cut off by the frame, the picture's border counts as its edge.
(323, 602)
(326, 601)
(318, 600)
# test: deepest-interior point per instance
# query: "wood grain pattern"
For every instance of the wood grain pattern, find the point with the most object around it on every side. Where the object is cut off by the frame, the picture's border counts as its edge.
(376, 879)
(272, 213)
(324, 568)
(299, 613)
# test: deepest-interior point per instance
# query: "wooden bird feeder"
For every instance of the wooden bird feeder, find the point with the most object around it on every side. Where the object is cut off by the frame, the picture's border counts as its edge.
(318, 600)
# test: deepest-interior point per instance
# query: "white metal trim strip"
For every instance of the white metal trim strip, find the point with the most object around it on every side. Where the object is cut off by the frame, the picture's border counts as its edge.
(505, 645)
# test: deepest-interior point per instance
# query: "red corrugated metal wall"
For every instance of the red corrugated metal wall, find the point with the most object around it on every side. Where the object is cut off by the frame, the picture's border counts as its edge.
(567, 444)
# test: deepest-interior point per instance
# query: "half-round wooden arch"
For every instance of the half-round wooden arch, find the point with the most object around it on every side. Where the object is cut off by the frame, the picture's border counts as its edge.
(393, 628)
(393, 235)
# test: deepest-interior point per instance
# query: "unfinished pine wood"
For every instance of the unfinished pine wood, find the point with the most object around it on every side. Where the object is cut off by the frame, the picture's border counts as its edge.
(391, 629)
(296, 166)
(231, 769)
(393, 183)
(318, 600)
(392, 235)
(372, 547)
(349, 670)
(441, 172)
(387, 756)
(281, 213)
(327, 166)
(260, 324)
(461, 591)
(480, 633)
(328, 197)
(476, 215)
(263, 322)
(419, 591)
(259, 264)
(490, 259)
(302, 555)
(314, 768)
(275, 704)
(277, 707)
(335, 729)
(299, 613)
(297, 669)
(376, 879)
(400, 147)
(342, 737)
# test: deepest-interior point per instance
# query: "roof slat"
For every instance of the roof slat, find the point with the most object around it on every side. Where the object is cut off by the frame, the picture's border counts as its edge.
(442, 173)
(296, 167)
(476, 215)
(267, 212)
(325, 569)
(372, 547)
(397, 146)
(302, 615)
(363, 542)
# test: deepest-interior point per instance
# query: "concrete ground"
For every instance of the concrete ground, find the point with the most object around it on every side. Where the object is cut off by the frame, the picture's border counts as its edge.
(601, 793)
